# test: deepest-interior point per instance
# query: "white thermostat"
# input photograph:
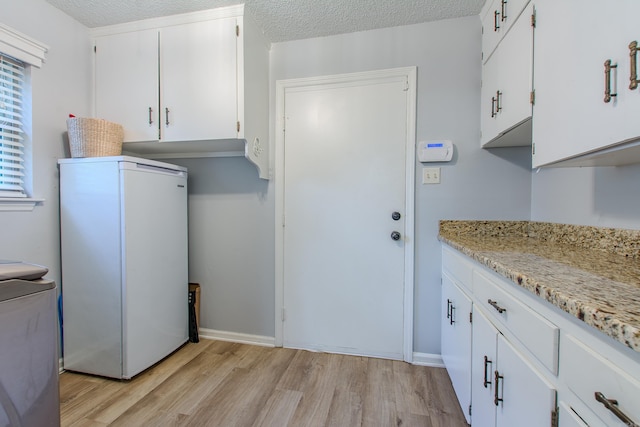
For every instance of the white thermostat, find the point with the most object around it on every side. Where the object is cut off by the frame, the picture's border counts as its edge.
(435, 151)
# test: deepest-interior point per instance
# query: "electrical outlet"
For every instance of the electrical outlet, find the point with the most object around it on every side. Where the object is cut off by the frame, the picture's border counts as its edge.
(431, 175)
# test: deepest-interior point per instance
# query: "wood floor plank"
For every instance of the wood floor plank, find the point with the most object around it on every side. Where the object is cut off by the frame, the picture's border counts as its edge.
(279, 409)
(216, 383)
(315, 375)
(379, 403)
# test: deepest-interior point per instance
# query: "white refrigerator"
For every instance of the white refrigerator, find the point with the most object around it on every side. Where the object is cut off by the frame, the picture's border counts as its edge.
(124, 263)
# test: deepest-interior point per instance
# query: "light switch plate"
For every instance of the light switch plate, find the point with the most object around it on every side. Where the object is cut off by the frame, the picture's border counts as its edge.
(431, 175)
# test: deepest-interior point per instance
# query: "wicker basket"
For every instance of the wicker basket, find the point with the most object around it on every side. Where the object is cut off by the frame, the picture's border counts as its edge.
(94, 137)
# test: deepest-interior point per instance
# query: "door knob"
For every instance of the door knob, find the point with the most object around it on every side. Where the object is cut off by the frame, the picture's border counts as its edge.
(396, 216)
(395, 235)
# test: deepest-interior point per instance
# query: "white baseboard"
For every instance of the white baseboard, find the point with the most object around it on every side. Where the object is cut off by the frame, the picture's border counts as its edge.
(428, 359)
(212, 334)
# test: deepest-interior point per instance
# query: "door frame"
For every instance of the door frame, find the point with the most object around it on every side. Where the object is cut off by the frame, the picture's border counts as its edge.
(410, 73)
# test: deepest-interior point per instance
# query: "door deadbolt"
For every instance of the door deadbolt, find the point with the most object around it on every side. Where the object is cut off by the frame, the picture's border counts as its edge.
(396, 216)
(395, 235)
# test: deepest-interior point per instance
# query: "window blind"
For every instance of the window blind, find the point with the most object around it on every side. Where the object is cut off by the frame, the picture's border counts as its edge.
(11, 128)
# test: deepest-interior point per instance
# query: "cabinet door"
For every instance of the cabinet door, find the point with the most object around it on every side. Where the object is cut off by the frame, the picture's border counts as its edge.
(571, 116)
(456, 340)
(497, 19)
(199, 81)
(568, 418)
(126, 73)
(483, 363)
(525, 398)
(507, 84)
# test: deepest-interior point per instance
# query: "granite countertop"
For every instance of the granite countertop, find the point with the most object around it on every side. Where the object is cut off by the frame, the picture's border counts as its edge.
(591, 273)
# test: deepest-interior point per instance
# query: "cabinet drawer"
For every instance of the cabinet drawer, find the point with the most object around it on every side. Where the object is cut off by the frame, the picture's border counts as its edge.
(587, 373)
(535, 332)
(457, 267)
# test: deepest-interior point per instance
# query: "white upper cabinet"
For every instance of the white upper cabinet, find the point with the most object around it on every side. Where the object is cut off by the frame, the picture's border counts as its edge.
(177, 83)
(507, 79)
(497, 18)
(196, 82)
(127, 83)
(573, 115)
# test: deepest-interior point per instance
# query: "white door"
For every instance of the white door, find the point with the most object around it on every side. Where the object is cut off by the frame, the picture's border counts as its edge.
(346, 171)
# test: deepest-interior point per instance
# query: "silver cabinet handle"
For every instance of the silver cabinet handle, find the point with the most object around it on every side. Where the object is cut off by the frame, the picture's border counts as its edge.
(495, 305)
(504, 10)
(612, 405)
(486, 362)
(607, 81)
(633, 58)
(166, 113)
(496, 399)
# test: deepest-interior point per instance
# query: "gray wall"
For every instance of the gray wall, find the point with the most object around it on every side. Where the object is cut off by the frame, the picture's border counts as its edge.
(477, 183)
(231, 245)
(603, 197)
(60, 87)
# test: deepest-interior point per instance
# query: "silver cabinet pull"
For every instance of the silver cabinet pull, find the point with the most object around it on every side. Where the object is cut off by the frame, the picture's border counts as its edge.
(486, 381)
(448, 308)
(496, 399)
(503, 10)
(607, 81)
(166, 113)
(150, 116)
(633, 57)
(612, 405)
(495, 305)
(496, 26)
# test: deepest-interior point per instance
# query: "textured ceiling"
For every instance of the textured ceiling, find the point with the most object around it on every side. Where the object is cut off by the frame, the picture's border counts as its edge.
(281, 20)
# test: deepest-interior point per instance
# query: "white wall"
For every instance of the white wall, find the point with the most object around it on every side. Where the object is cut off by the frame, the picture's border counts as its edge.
(477, 183)
(602, 197)
(60, 87)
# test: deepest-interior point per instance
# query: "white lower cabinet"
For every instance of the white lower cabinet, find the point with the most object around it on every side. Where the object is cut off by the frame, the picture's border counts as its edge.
(505, 389)
(567, 417)
(522, 396)
(483, 365)
(456, 340)
(521, 362)
(611, 393)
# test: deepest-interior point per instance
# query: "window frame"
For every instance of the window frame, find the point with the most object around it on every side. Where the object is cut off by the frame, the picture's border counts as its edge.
(32, 54)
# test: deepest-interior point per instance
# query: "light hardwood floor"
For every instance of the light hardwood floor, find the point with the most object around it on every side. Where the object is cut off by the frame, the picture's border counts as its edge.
(215, 383)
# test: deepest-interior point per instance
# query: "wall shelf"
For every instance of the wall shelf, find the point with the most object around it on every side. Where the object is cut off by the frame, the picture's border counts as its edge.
(255, 151)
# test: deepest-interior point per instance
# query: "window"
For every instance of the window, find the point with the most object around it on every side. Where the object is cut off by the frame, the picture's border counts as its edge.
(11, 127)
(19, 55)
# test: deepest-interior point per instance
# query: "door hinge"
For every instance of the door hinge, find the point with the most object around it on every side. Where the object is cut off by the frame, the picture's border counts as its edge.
(532, 97)
(469, 410)
(237, 30)
(470, 321)
(533, 19)
(95, 49)
(554, 418)
(533, 148)
(237, 126)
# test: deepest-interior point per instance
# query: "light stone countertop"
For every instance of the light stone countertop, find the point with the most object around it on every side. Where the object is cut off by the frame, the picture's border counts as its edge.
(591, 273)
